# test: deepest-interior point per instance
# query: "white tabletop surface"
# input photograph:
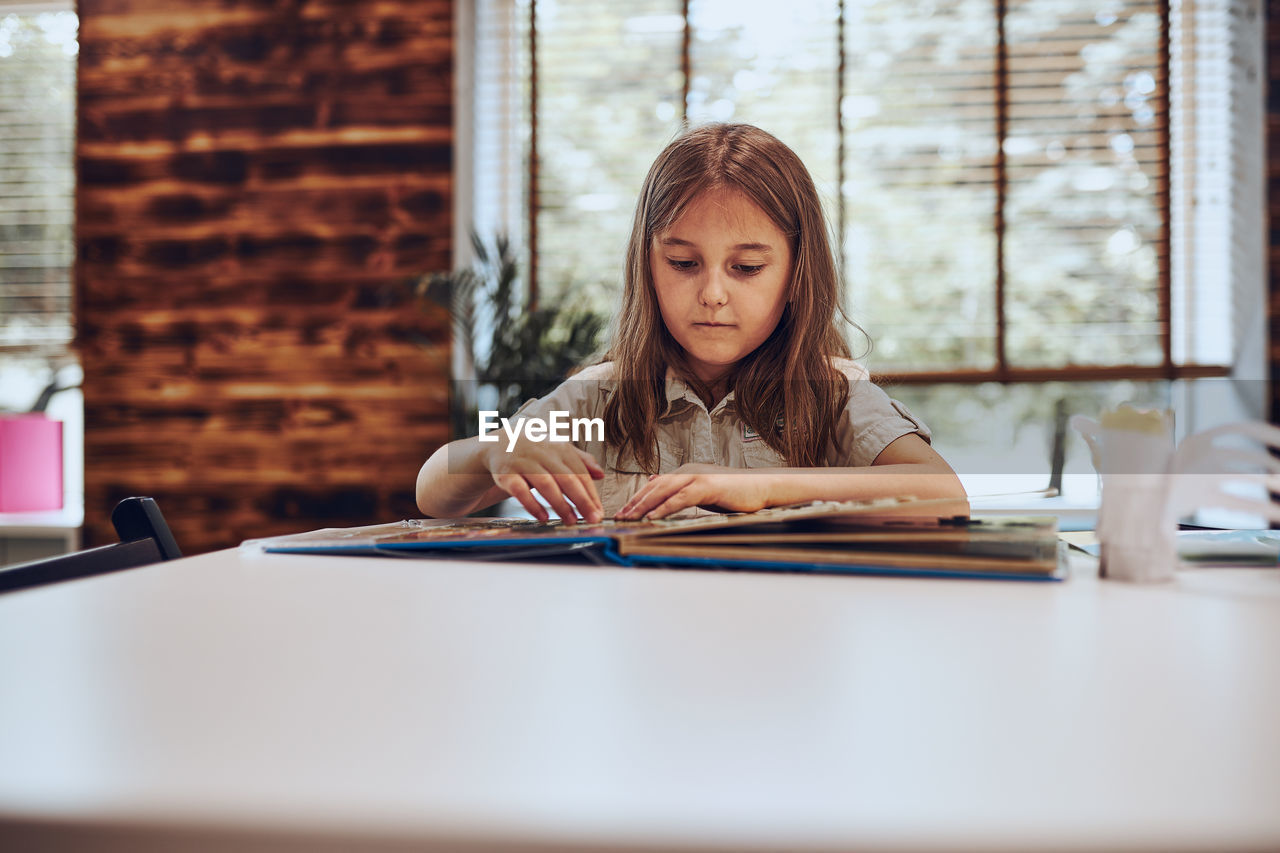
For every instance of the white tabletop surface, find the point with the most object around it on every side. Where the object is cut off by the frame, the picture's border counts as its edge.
(515, 705)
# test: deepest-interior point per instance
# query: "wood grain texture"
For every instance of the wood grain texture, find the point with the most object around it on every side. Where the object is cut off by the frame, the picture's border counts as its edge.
(256, 180)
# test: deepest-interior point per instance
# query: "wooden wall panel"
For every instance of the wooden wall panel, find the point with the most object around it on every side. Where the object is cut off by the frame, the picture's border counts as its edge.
(256, 178)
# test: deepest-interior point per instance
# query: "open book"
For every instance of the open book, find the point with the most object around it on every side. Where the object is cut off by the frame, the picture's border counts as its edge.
(889, 536)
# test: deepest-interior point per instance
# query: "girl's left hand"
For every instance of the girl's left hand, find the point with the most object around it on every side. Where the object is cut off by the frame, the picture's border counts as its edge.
(697, 485)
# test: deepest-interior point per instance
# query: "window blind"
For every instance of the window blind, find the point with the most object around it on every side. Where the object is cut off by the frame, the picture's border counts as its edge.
(37, 179)
(1219, 239)
(1086, 211)
(920, 123)
(607, 101)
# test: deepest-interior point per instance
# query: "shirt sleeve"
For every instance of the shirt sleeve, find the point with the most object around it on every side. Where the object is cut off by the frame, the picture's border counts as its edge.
(581, 396)
(871, 421)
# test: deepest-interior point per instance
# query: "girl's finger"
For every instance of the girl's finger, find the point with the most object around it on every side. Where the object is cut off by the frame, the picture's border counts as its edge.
(594, 472)
(583, 494)
(515, 485)
(641, 500)
(593, 467)
(585, 487)
(628, 509)
(550, 490)
(680, 500)
(653, 494)
(578, 486)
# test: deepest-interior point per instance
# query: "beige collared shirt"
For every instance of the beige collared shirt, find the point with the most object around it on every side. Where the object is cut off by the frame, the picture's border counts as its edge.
(688, 433)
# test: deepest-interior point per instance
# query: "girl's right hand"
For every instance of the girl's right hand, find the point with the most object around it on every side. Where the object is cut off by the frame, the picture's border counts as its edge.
(560, 472)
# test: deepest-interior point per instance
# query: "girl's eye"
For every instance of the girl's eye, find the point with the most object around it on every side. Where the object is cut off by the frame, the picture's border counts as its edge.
(681, 265)
(749, 269)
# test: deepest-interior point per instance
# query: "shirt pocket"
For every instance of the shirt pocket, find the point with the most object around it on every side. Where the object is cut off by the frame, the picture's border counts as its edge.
(669, 459)
(757, 454)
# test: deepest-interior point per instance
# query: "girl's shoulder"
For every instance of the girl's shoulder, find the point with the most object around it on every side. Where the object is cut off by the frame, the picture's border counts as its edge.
(851, 369)
(595, 372)
(581, 392)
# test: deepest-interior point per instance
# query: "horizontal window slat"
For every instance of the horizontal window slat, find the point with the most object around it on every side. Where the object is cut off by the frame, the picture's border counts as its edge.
(39, 207)
(56, 276)
(37, 307)
(47, 252)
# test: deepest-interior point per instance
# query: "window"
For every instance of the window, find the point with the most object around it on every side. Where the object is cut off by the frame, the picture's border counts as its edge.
(1025, 191)
(38, 51)
(37, 176)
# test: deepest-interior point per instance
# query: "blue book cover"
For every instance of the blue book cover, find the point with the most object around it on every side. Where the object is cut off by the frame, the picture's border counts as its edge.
(887, 537)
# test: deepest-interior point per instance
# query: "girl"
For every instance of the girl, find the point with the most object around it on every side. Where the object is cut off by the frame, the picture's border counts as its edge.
(727, 384)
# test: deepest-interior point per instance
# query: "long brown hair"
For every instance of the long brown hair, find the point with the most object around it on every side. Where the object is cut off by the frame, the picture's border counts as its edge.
(788, 380)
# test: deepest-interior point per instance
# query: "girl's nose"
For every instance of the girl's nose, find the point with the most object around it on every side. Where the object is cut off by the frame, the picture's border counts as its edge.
(713, 290)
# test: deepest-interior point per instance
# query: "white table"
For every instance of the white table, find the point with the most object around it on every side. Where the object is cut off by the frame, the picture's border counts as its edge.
(245, 701)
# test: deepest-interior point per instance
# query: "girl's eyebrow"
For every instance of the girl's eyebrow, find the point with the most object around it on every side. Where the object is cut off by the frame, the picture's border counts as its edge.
(748, 247)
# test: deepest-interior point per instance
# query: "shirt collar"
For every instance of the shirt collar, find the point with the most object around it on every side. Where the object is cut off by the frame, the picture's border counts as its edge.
(680, 395)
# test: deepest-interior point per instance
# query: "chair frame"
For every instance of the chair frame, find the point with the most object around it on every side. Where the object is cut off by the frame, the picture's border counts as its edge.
(145, 538)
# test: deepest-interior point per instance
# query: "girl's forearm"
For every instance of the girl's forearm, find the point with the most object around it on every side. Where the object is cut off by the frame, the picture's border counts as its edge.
(455, 481)
(917, 480)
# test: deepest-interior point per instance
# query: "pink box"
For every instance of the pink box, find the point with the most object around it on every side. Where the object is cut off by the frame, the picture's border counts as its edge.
(30, 463)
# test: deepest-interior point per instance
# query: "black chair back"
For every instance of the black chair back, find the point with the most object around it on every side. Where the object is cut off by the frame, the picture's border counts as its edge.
(145, 538)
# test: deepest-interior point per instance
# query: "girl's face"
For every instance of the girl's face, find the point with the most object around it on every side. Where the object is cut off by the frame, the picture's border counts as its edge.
(721, 274)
